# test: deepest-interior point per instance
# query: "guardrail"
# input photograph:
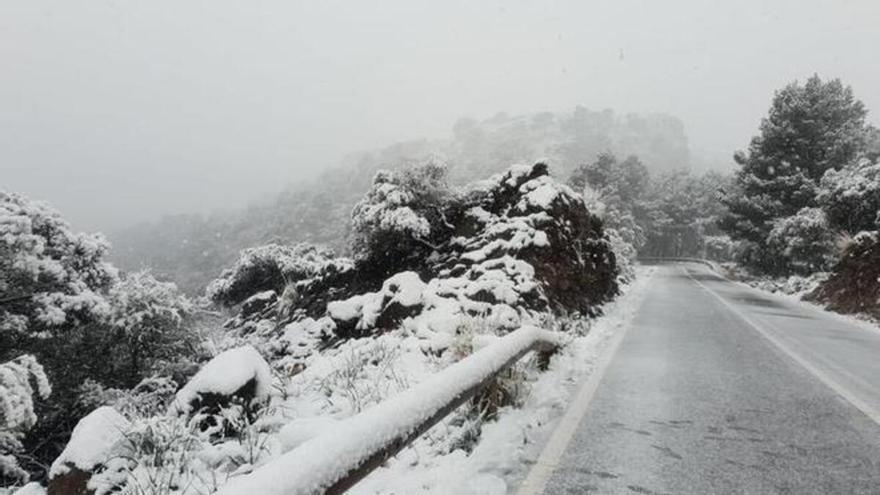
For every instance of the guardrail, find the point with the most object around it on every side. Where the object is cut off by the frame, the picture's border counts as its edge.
(706, 262)
(336, 461)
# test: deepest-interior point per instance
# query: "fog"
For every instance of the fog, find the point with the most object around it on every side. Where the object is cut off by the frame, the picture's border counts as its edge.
(117, 112)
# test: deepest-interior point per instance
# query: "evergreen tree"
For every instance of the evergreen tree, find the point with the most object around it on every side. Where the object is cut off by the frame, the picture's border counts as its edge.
(62, 303)
(615, 190)
(810, 129)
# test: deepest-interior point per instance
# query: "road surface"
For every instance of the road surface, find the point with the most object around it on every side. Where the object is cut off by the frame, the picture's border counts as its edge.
(718, 388)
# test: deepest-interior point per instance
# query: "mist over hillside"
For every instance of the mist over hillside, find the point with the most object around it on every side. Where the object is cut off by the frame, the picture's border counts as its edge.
(191, 249)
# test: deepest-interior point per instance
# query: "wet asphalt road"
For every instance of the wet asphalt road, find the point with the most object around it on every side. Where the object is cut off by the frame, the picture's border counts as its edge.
(698, 400)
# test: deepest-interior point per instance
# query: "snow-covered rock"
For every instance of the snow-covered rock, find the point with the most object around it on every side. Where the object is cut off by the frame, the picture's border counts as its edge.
(400, 297)
(237, 374)
(97, 438)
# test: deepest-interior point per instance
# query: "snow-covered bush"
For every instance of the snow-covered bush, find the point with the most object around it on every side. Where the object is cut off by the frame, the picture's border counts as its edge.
(850, 196)
(170, 455)
(66, 305)
(804, 243)
(621, 230)
(51, 278)
(403, 215)
(21, 381)
(720, 247)
(379, 362)
(151, 396)
(271, 268)
(147, 325)
(625, 255)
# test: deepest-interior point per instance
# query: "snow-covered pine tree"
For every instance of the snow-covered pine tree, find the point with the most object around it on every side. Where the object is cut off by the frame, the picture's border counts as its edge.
(811, 128)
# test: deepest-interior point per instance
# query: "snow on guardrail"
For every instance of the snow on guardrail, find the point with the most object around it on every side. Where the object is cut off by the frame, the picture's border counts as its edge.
(335, 461)
(711, 264)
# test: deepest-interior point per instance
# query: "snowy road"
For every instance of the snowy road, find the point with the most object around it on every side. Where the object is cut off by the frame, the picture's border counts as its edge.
(718, 388)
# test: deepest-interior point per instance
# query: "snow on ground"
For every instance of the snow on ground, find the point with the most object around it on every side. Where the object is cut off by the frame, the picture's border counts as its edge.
(510, 445)
(794, 285)
(319, 462)
(32, 488)
(383, 377)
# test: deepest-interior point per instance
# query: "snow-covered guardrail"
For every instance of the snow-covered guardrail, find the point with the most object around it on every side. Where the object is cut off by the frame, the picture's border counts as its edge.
(706, 262)
(336, 461)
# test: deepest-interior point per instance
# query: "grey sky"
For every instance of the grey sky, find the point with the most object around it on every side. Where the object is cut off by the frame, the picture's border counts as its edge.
(117, 111)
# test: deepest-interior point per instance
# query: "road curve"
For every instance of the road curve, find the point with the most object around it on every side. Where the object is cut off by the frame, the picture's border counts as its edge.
(719, 388)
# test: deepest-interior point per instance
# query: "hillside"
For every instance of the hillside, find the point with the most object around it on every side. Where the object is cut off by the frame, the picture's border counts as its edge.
(191, 249)
(436, 273)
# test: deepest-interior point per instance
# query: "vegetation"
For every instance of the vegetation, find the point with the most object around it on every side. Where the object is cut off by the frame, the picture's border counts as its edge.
(67, 308)
(425, 255)
(192, 249)
(811, 129)
(672, 214)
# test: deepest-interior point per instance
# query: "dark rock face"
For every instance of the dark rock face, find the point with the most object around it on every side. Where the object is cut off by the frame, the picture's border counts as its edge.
(73, 482)
(854, 286)
(578, 269)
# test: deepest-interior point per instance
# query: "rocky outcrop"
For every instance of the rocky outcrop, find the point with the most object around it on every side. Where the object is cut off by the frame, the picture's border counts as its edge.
(854, 284)
(508, 249)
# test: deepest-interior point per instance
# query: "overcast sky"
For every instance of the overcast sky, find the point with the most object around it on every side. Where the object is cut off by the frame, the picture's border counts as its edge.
(119, 111)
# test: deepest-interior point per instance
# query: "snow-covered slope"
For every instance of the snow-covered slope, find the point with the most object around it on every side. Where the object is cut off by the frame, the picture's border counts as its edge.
(319, 340)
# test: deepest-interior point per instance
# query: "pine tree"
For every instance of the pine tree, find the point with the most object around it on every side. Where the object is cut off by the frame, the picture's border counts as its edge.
(810, 129)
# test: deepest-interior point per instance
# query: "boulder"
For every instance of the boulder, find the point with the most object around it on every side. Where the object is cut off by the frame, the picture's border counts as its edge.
(238, 376)
(399, 298)
(97, 438)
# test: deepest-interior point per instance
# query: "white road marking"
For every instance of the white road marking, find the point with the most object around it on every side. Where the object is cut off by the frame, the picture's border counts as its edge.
(850, 397)
(552, 453)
